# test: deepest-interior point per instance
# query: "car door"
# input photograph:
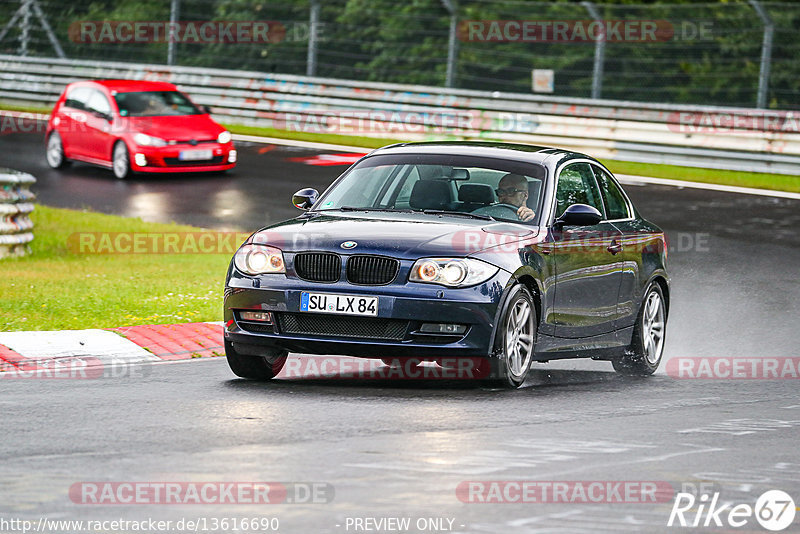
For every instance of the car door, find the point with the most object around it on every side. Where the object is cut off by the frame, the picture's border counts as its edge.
(98, 126)
(72, 121)
(619, 212)
(587, 270)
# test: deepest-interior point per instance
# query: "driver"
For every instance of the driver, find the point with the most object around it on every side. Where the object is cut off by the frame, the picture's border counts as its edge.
(513, 189)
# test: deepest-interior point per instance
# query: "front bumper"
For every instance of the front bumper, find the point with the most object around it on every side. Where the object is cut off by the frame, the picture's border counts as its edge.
(405, 304)
(168, 158)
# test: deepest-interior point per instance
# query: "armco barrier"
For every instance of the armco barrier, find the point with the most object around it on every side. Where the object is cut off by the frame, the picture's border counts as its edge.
(16, 204)
(714, 137)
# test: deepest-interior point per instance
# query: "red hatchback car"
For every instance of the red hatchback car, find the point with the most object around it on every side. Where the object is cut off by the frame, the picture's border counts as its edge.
(135, 126)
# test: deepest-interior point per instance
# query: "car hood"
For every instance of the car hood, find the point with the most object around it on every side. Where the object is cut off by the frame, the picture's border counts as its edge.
(405, 236)
(177, 127)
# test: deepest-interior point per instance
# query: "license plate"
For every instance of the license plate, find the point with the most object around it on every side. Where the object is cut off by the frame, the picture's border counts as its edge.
(340, 304)
(194, 155)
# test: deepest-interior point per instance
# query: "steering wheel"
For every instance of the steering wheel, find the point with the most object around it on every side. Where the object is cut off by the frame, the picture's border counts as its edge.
(499, 210)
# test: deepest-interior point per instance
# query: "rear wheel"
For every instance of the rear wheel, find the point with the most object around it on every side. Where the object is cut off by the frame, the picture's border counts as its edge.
(643, 355)
(255, 367)
(55, 151)
(515, 339)
(120, 161)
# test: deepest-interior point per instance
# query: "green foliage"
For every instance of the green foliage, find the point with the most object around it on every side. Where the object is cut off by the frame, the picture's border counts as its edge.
(712, 58)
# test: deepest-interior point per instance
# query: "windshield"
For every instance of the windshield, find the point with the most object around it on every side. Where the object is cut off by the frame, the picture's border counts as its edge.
(464, 185)
(154, 103)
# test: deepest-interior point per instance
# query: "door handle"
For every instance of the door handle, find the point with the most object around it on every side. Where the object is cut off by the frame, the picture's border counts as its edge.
(614, 248)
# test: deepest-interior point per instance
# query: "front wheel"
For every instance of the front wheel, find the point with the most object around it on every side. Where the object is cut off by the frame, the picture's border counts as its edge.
(255, 367)
(643, 355)
(516, 339)
(55, 152)
(120, 162)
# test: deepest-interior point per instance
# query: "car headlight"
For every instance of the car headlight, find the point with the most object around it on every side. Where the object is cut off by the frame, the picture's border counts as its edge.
(224, 137)
(148, 140)
(259, 259)
(451, 272)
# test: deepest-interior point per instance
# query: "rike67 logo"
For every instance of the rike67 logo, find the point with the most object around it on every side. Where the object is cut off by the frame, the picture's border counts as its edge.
(774, 510)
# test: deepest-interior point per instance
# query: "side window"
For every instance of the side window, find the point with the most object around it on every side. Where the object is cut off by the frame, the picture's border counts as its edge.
(576, 185)
(78, 98)
(98, 102)
(616, 207)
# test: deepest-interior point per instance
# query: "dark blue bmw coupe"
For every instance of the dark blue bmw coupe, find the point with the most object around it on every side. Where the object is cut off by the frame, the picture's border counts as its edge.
(505, 253)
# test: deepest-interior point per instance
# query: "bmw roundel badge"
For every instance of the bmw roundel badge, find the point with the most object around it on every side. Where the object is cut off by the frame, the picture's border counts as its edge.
(349, 244)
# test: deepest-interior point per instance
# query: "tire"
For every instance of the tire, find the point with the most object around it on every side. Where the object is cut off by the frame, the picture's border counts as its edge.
(515, 340)
(643, 355)
(255, 367)
(54, 152)
(121, 161)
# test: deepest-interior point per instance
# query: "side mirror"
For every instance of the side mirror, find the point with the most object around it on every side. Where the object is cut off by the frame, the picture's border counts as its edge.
(579, 215)
(305, 198)
(206, 110)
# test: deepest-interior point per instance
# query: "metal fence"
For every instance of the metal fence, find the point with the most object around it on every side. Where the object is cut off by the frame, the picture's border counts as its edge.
(734, 53)
(724, 138)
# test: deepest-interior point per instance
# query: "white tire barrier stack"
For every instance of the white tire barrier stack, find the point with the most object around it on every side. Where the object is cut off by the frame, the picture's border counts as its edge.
(16, 205)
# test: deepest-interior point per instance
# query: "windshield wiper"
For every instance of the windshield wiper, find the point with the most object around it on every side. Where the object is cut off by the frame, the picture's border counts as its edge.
(390, 210)
(460, 214)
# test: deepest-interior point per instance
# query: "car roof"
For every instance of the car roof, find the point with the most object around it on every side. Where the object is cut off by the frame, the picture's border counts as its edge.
(126, 86)
(514, 151)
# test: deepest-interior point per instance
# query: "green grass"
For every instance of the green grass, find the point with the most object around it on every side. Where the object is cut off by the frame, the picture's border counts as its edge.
(777, 182)
(335, 139)
(58, 288)
(28, 109)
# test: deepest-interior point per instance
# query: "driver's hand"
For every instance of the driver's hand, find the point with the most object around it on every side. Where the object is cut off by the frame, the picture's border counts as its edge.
(525, 213)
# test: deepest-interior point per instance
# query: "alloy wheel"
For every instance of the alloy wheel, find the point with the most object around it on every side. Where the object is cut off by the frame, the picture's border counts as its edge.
(121, 163)
(518, 339)
(55, 151)
(653, 327)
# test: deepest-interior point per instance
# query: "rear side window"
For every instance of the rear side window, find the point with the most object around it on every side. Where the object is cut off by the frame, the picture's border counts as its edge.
(576, 185)
(78, 98)
(616, 206)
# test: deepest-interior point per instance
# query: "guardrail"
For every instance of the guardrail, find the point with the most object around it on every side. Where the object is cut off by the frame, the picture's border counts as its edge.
(15, 207)
(713, 137)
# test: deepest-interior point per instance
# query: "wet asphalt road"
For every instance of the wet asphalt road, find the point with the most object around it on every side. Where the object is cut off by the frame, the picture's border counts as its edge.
(256, 192)
(400, 449)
